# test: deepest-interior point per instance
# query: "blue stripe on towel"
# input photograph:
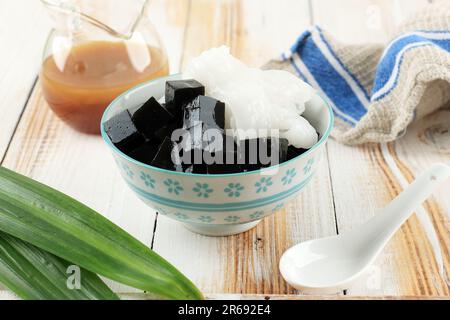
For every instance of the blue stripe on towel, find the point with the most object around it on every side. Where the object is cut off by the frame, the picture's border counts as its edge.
(327, 78)
(304, 73)
(388, 70)
(306, 76)
(300, 74)
(361, 87)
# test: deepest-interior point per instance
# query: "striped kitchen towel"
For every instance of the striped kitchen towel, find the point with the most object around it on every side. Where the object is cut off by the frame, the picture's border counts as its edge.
(377, 91)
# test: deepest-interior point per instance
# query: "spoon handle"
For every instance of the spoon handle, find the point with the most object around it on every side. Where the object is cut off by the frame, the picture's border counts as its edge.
(387, 222)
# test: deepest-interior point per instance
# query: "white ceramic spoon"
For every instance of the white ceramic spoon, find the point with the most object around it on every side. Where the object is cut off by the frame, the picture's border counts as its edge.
(331, 264)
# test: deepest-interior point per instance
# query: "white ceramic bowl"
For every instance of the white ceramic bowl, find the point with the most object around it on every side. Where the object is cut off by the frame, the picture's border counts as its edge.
(217, 205)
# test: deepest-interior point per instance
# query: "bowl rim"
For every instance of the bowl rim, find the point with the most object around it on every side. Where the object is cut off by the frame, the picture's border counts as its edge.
(186, 174)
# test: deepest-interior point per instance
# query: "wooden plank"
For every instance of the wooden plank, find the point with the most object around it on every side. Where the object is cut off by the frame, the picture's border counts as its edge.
(306, 297)
(47, 150)
(247, 263)
(80, 165)
(365, 17)
(428, 141)
(415, 267)
(414, 153)
(268, 28)
(20, 62)
(404, 9)
(7, 295)
(169, 19)
(363, 21)
(407, 266)
(256, 30)
(359, 191)
(23, 31)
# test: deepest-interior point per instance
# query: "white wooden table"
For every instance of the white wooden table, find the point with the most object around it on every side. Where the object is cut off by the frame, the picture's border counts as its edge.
(352, 183)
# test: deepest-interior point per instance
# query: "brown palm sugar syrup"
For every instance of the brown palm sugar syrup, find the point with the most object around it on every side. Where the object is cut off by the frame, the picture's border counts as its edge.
(92, 75)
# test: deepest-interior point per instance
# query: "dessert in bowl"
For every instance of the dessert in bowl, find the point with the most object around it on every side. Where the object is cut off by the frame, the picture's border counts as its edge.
(210, 198)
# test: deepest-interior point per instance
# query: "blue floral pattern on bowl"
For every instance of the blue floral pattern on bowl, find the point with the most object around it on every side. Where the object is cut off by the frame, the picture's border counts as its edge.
(202, 190)
(173, 186)
(161, 211)
(232, 219)
(228, 203)
(181, 216)
(128, 171)
(289, 176)
(148, 180)
(257, 215)
(206, 219)
(263, 184)
(234, 190)
(307, 168)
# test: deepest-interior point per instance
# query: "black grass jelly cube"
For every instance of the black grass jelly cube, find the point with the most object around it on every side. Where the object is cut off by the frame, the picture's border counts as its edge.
(180, 92)
(209, 111)
(151, 117)
(146, 152)
(163, 158)
(294, 152)
(123, 133)
(254, 154)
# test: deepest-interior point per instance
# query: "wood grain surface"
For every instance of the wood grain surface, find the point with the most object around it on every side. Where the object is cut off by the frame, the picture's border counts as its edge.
(352, 184)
